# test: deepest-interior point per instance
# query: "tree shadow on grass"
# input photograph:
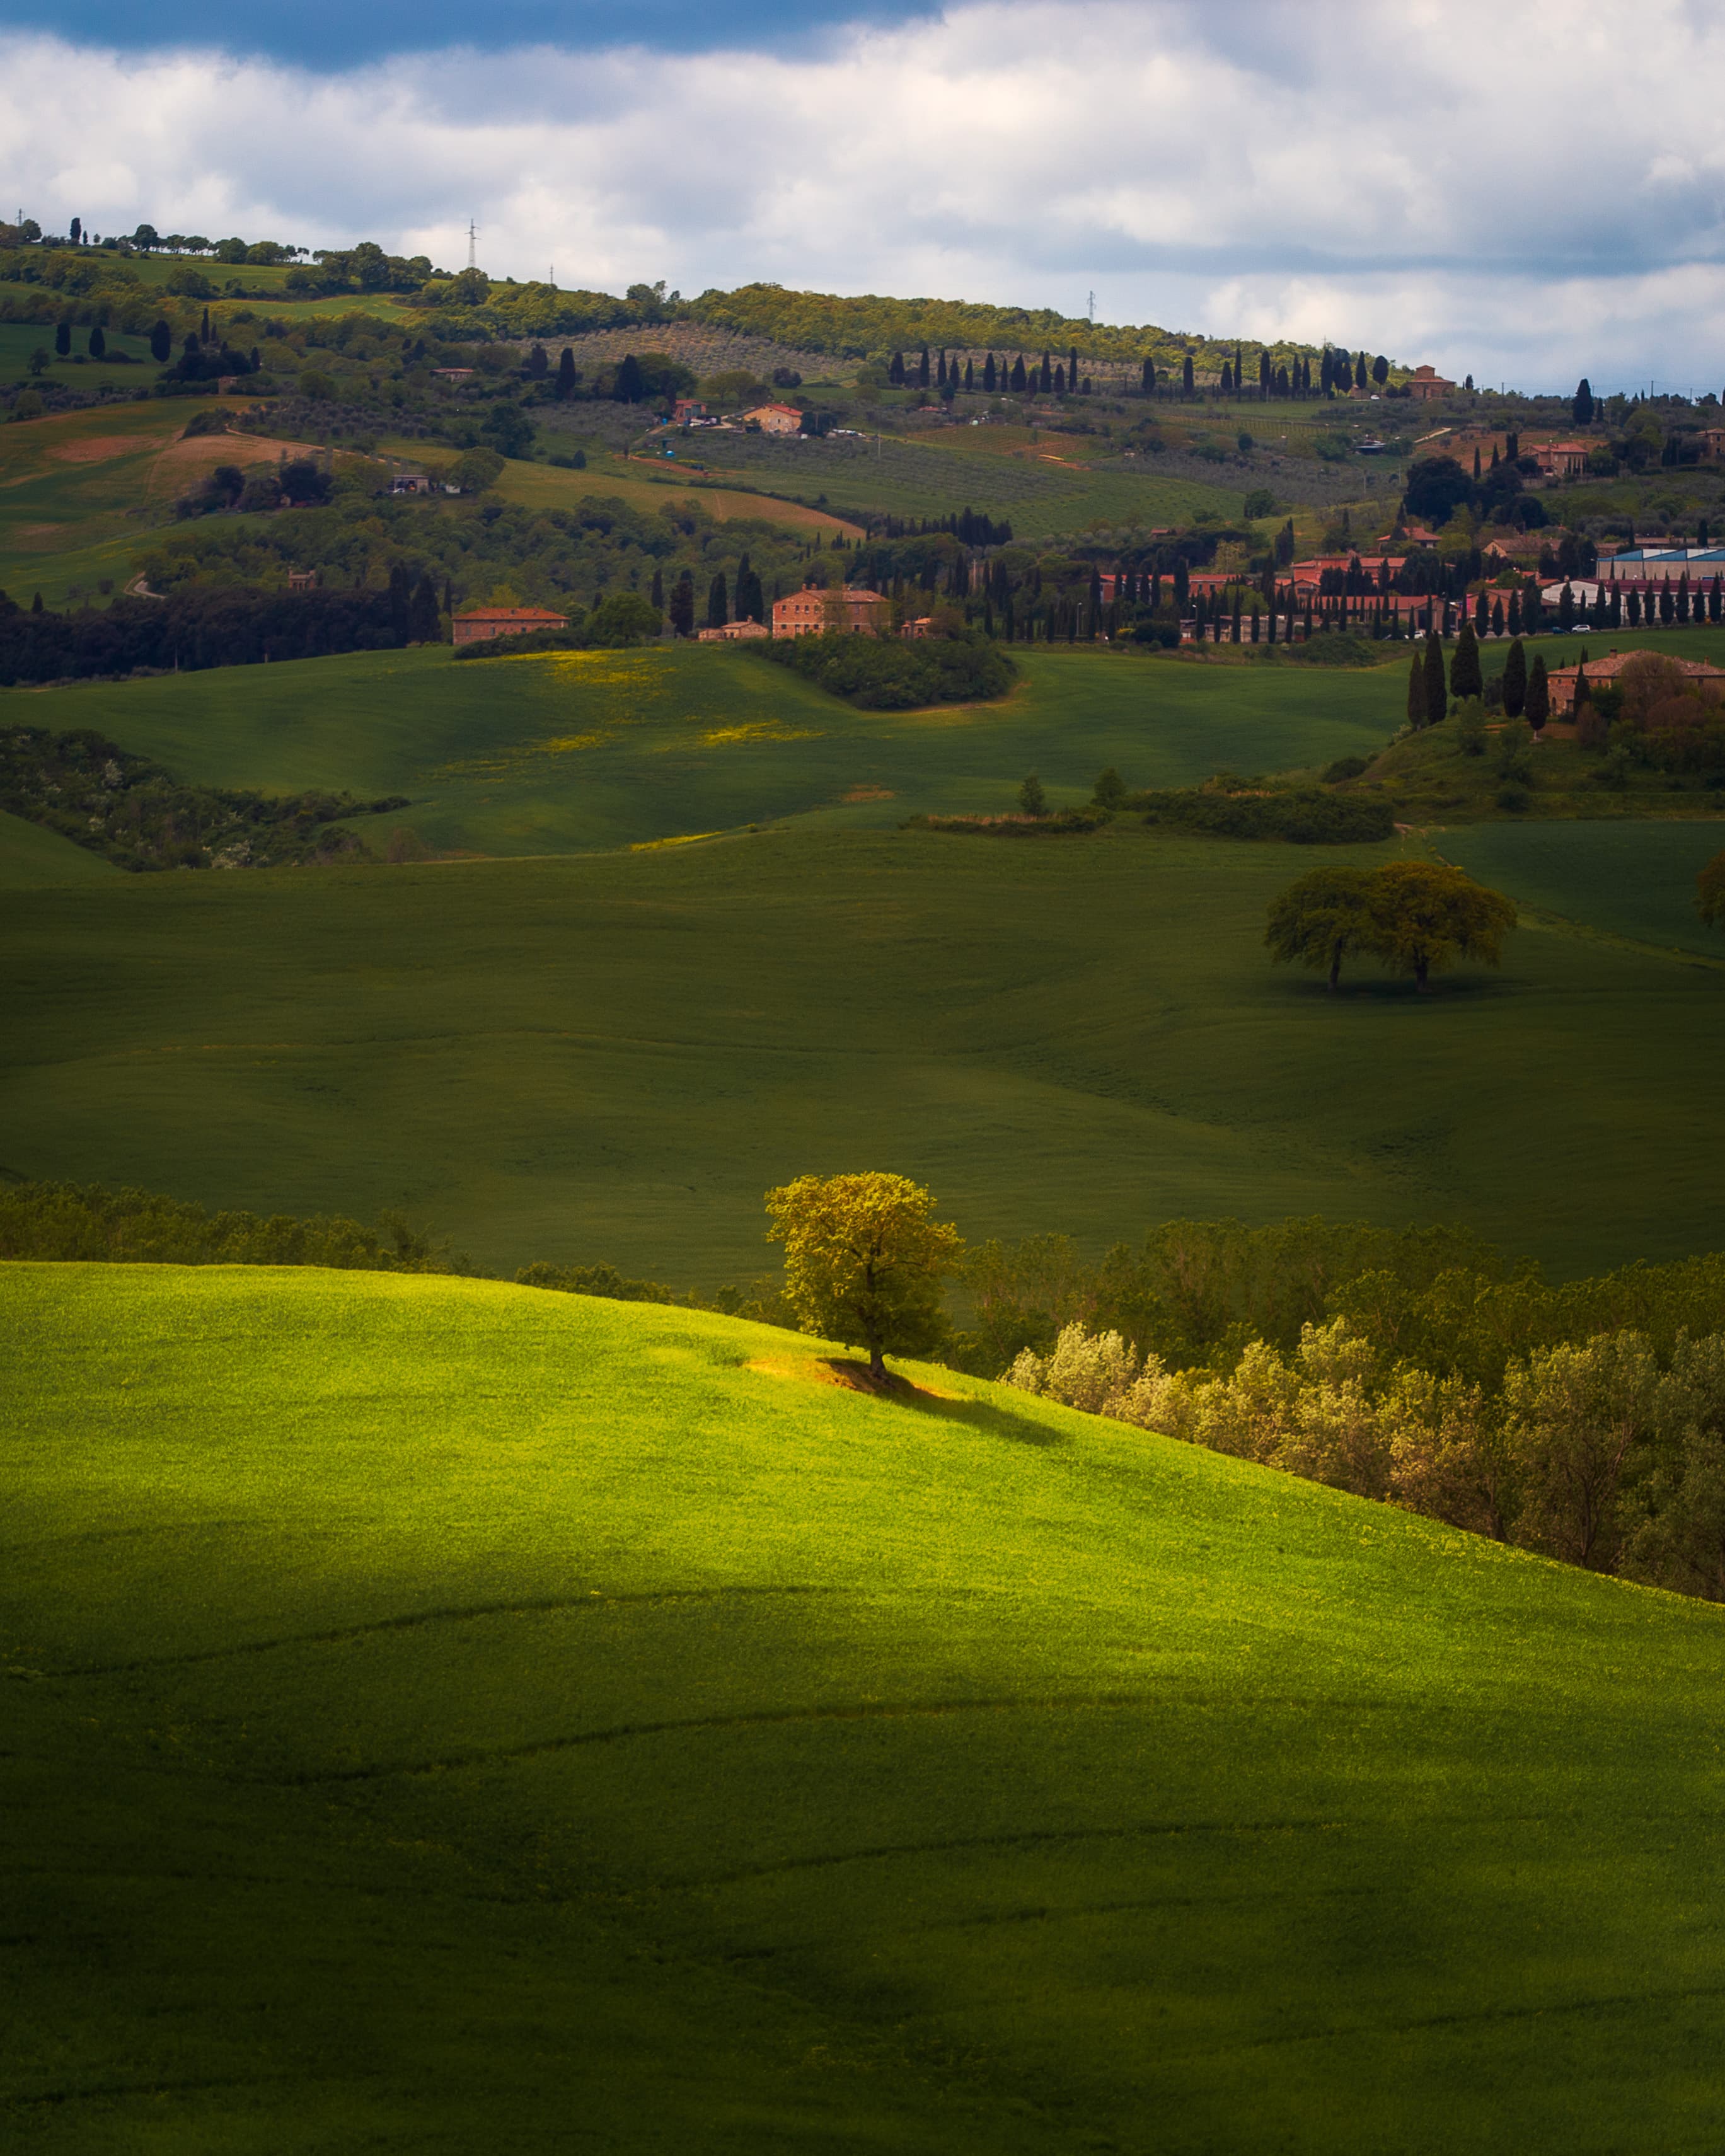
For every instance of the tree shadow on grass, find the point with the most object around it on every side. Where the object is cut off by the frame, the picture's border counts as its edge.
(944, 1407)
(898, 1391)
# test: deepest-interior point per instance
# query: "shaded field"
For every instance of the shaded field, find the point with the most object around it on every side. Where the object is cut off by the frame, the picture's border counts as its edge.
(612, 1057)
(678, 1746)
(549, 486)
(574, 751)
(1636, 880)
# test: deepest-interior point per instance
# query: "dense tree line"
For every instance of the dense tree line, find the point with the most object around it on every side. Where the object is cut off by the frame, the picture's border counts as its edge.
(204, 627)
(1301, 816)
(890, 674)
(1584, 1421)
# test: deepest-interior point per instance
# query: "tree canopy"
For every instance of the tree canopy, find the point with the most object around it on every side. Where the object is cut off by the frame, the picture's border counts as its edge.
(864, 1260)
(1415, 916)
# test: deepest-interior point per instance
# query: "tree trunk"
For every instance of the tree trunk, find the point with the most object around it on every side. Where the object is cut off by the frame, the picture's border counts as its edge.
(877, 1364)
(1335, 969)
(1422, 970)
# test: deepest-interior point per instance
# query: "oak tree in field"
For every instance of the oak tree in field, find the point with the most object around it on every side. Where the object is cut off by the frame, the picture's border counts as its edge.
(1426, 914)
(1322, 919)
(1710, 892)
(864, 1261)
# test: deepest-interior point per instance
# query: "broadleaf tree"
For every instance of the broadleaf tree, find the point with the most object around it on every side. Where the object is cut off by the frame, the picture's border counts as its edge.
(865, 1260)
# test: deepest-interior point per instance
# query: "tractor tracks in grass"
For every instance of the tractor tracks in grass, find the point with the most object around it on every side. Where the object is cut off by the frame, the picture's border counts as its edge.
(595, 1599)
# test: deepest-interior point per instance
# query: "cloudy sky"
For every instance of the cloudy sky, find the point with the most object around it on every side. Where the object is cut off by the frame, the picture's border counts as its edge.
(1518, 189)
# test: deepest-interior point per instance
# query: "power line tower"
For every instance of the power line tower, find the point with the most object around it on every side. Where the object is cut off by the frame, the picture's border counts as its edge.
(472, 244)
(1092, 307)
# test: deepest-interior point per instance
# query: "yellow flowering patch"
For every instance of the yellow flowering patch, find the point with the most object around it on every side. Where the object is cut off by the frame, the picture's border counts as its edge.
(683, 839)
(756, 730)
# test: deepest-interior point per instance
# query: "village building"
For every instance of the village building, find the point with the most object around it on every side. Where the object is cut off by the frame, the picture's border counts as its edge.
(1654, 564)
(453, 373)
(813, 611)
(407, 482)
(479, 622)
(775, 418)
(1709, 679)
(1426, 383)
(302, 580)
(733, 632)
(688, 408)
(1560, 459)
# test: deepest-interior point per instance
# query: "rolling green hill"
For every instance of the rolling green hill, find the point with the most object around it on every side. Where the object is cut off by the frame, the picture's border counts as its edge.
(442, 1716)
(571, 751)
(611, 1057)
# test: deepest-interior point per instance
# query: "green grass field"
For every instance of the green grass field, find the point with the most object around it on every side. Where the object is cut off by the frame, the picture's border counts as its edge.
(612, 1056)
(572, 750)
(445, 1717)
(18, 340)
(599, 1053)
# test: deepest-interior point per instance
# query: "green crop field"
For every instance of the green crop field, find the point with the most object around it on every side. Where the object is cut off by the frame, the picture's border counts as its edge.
(573, 751)
(1631, 879)
(612, 1056)
(446, 1716)
(18, 340)
(1042, 489)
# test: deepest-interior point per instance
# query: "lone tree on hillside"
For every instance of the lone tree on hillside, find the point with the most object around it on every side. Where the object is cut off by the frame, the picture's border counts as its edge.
(1032, 800)
(1416, 916)
(1427, 914)
(1710, 892)
(864, 1260)
(1319, 921)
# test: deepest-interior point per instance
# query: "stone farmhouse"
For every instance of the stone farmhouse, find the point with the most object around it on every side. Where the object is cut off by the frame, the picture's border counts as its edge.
(810, 612)
(775, 418)
(1710, 680)
(479, 622)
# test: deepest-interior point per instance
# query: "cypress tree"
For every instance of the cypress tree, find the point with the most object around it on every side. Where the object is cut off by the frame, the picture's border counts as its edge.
(1059, 380)
(1149, 378)
(1265, 382)
(98, 341)
(1416, 693)
(1635, 609)
(658, 592)
(630, 384)
(1020, 381)
(1475, 464)
(204, 332)
(1466, 677)
(62, 339)
(161, 344)
(1515, 682)
(1359, 372)
(989, 375)
(940, 373)
(922, 369)
(1046, 378)
(423, 626)
(1437, 693)
(718, 606)
(400, 602)
(565, 373)
(896, 370)
(969, 375)
(1227, 378)
(1539, 704)
(1239, 371)
(682, 606)
(1497, 616)
(1583, 407)
(1186, 376)
(538, 363)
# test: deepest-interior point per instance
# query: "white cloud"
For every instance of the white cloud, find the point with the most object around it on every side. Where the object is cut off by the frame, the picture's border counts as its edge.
(1526, 192)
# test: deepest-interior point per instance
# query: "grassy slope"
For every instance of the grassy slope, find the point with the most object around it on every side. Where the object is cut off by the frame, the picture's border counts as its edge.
(1635, 879)
(445, 1717)
(614, 1056)
(540, 755)
(31, 856)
